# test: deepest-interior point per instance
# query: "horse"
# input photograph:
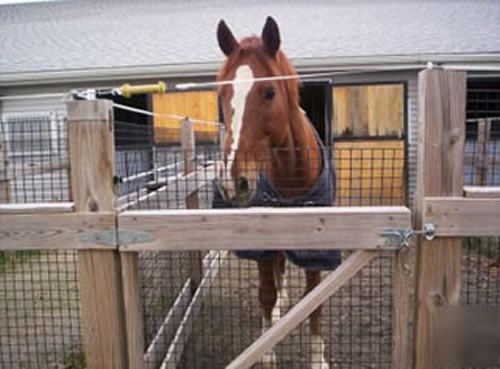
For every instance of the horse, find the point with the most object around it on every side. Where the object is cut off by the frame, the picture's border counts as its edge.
(272, 156)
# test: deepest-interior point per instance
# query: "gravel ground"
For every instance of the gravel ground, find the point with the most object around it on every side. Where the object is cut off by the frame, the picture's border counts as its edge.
(40, 326)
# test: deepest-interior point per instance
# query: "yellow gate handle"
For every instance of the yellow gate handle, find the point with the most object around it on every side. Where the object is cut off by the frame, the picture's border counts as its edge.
(128, 90)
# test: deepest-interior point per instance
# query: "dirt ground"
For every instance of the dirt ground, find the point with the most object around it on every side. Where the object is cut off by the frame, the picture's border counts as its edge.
(39, 312)
(40, 326)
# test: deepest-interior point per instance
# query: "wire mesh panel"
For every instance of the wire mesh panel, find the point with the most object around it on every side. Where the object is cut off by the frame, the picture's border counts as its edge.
(36, 157)
(356, 322)
(481, 255)
(366, 177)
(223, 316)
(39, 311)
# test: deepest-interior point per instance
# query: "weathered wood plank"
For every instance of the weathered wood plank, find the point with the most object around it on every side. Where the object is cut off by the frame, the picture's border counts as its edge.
(181, 185)
(52, 231)
(299, 228)
(331, 284)
(440, 173)
(4, 169)
(38, 168)
(4, 178)
(463, 217)
(192, 200)
(401, 306)
(161, 342)
(482, 192)
(185, 329)
(38, 208)
(481, 154)
(91, 150)
(133, 309)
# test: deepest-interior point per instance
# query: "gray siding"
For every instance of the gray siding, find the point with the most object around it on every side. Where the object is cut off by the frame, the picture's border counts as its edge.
(34, 105)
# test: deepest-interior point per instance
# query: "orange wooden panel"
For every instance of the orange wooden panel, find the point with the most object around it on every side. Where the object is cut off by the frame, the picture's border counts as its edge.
(368, 110)
(201, 105)
(370, 172)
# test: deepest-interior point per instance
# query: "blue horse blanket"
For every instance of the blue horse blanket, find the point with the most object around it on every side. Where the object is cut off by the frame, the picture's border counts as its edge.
(322, 193)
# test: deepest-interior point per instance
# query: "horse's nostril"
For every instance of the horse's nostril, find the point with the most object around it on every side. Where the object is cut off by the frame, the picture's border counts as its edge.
(243, 186)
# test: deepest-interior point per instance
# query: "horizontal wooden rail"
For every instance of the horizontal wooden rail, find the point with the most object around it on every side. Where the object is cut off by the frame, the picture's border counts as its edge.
(189, 319)
(463, 217)
(16, 171)
(37, 208)
(159, 345)
(46, 231)
(480, 192)
(169, 329)
(183, 185)
(265, 228)
(331, 284)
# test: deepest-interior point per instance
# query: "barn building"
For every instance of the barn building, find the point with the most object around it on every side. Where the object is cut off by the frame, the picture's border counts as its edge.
(373, 49)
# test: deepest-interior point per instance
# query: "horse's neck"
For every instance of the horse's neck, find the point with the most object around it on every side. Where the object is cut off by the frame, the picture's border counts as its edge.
(297, 164)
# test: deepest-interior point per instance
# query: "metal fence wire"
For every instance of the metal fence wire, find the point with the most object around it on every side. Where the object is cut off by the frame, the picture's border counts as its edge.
(40, 310)
(481, 255)
(39, 299)
(225, 317)
(35, 158)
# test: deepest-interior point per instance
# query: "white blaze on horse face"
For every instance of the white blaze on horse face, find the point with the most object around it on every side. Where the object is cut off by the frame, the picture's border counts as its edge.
(243, 82)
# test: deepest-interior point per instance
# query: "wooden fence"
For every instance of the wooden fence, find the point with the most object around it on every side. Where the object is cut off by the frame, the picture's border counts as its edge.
(108, 240)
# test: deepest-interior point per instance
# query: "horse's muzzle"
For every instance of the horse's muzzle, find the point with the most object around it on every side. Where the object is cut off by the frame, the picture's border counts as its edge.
(241, 195)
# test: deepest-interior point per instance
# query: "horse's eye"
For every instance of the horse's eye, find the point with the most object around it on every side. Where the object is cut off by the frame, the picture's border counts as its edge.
(269, 93)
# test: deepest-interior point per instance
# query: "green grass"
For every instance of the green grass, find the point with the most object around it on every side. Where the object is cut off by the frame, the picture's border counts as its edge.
(20, 257)
(74, 360)
(486, 246)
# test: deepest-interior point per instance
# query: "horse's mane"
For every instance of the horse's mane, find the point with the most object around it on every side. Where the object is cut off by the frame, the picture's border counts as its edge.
(276, 66)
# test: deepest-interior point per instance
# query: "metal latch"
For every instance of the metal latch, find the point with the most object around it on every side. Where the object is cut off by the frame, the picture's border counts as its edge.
(112, 237)
(401, 237)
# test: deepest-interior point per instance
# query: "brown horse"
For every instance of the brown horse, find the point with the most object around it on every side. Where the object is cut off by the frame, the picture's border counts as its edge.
(268, 134)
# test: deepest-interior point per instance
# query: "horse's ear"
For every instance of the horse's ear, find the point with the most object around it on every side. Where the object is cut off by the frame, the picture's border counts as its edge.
(227, 42)
(271, 36)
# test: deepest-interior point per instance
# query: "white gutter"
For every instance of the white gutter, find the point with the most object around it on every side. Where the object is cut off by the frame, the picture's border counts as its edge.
(487, 62)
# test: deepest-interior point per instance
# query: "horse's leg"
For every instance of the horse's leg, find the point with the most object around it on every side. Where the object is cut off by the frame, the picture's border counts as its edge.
(268, 295)
(281, 288)
(313, 278)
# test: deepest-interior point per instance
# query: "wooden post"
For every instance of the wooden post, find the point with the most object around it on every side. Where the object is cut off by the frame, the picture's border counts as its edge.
(4, 168)
(4, 177)
(440, 173)
(401, 302)
(133, 309)
(91, 152)
(192, 201)
(481, 152)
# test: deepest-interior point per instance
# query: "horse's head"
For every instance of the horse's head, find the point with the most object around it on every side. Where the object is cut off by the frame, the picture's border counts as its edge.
(256, 112)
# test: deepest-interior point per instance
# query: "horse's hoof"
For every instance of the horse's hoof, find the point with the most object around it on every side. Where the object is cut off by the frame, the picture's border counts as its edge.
(321, 365)
(268, 361)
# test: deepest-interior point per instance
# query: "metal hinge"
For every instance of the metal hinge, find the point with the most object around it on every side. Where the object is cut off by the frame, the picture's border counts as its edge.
(401, 237)
(112, 237)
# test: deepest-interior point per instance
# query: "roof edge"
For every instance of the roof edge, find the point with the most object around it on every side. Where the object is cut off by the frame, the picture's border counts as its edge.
(184, 71)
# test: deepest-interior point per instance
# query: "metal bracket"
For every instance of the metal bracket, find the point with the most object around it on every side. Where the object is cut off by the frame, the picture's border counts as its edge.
(112, 237)
(401, 237)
